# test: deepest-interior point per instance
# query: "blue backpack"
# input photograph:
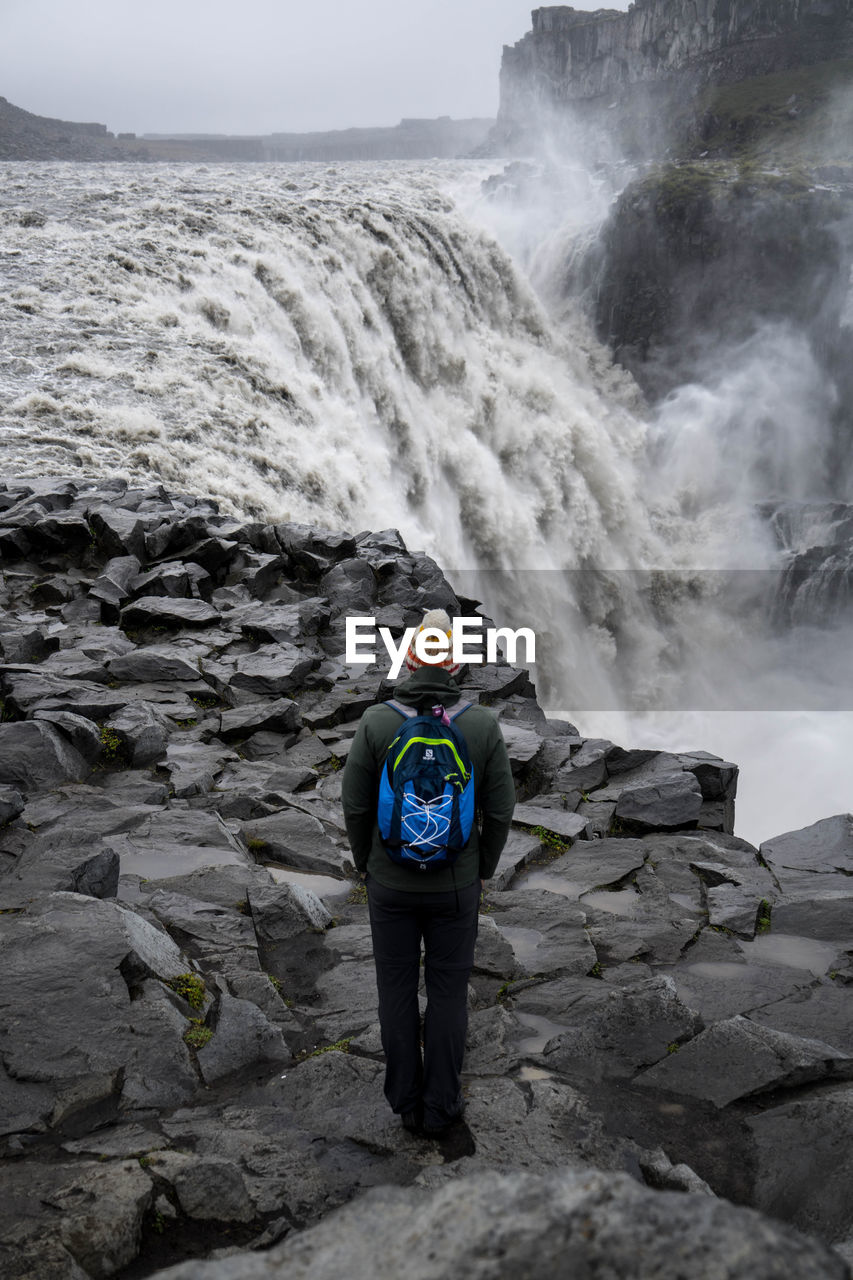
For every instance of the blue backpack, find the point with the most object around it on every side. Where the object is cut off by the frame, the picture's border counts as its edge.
(426, 790)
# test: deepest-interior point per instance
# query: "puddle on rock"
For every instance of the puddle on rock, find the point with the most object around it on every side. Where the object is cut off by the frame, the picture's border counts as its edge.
(622, 902)
(793, 952)
(527, 1074)
(543, 1029)
(724, 970)
(524, 942)
(178, 860)
(323, 886)
(553, 884)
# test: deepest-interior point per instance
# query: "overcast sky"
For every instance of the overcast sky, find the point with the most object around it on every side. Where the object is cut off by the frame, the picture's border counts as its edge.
(257, 66)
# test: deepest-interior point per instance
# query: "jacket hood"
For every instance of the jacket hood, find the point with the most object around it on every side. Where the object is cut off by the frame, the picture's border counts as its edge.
(428, 687)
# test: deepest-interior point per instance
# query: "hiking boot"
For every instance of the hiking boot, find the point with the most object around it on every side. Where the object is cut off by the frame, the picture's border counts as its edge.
(413, 1121)
(454, 1140)
(441, 1130)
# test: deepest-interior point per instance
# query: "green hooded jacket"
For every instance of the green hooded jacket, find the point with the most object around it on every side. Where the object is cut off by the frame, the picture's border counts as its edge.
(494, 789)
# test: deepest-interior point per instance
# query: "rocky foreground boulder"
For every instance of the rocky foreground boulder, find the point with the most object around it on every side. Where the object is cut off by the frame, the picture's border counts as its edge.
(189, 1044)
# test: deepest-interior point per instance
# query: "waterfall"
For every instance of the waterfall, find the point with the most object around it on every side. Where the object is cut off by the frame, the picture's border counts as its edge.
(343, 345)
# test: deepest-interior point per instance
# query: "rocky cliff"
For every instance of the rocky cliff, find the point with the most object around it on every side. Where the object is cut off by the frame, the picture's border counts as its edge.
(189, 1051)
(658, 53)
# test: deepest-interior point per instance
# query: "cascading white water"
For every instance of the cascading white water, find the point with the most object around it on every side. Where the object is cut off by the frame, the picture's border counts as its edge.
(308, 343)
(341, 345)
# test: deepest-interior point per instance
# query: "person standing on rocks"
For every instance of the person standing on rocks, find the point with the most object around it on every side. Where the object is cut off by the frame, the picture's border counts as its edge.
(437, 906)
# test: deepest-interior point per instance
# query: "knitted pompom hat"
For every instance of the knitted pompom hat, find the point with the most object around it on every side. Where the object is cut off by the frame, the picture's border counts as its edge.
(434, 620)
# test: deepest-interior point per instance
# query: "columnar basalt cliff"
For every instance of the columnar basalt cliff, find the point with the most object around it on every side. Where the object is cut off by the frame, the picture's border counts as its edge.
(661, 48)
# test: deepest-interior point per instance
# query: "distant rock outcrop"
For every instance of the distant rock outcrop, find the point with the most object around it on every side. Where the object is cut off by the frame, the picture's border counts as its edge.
(658, 53)
(411, 139)
(25, 136)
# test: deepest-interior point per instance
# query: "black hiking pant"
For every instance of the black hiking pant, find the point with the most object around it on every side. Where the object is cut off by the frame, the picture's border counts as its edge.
(447, 924)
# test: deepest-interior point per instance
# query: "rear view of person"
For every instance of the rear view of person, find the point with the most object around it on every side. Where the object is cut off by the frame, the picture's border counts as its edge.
(420, 890)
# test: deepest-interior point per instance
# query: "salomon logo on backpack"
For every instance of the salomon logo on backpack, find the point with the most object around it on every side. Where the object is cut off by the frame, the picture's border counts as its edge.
(426, 790)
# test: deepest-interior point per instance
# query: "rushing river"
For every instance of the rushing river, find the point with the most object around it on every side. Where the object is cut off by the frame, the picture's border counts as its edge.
(345, 345)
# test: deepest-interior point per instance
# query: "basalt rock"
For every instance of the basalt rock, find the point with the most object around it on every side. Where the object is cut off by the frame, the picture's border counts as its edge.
(190, 1042)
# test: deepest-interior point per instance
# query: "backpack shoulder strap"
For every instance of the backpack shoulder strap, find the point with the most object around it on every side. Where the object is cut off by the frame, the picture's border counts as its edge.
(458, 707)
(408, 713)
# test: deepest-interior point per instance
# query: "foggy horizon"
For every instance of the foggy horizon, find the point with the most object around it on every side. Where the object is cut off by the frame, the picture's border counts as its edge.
(282, 70)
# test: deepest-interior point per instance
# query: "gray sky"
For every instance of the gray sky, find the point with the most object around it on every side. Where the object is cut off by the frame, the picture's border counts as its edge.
(256, 66)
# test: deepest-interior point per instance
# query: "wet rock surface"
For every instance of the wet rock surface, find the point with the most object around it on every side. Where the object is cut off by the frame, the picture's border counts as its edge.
(190, 1059)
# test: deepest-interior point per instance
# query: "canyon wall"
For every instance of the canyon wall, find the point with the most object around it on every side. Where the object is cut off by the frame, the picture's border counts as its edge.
(661, 49)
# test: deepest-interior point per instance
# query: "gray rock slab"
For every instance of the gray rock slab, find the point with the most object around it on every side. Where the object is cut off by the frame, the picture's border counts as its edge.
(490, 681)
(612, 1031)
(518, 851)
(339, 1093)
(491, 1047)
(717, 778)
(819, 1011)
(119, 533)
(227, 884)
(811, 1191)
(53, 1228)
(194, 766)
(309, 751)
(120, 1141)
(24, 1105)
(152, 664)
(829, 917)
(347, 1002)
(493, 953)
(287, 623)
(170, 843)
(152, 611)
(720, 988)
(141, 733)
(669, 801)
(491, 1226)
(29, 690)
(207, 1189)
(281, 911)
(272, 670)
(602, 864)
(295, 839)
(11, 804)
(546, 933)
(280, 716)
(189, 920)
(66, 956)
(35, 755)
(738, 1058)
(523, 745)
(348, 699)
(82, 734)
(825, 846)
(568, 826)
(76, 869)
(584, 768)
(132, 789)
(290, 921)
(102, 1215)
(242, 1036)
(642, 768)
